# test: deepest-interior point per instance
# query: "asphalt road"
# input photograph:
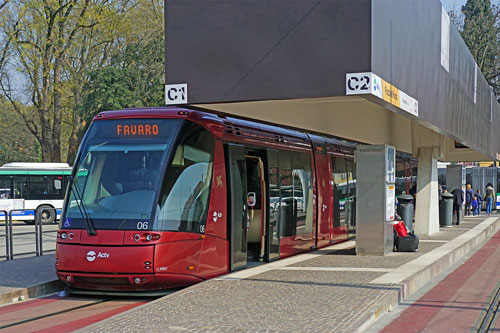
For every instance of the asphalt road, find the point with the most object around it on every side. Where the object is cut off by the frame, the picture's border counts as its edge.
(24, 239)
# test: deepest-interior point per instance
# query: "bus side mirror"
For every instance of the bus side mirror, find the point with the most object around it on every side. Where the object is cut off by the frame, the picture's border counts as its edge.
(57, 184)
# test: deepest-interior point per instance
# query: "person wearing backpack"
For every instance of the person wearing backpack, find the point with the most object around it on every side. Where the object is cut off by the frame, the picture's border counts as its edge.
(489, 195)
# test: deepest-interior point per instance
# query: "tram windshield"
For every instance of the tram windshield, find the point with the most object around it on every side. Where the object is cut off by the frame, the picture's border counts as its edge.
(122, 180)
(118, 173)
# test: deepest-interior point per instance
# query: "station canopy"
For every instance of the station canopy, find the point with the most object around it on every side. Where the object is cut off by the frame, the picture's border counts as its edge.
(371, 71)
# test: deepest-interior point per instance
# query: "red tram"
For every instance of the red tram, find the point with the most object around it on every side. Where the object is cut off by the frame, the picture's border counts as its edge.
(168, 197)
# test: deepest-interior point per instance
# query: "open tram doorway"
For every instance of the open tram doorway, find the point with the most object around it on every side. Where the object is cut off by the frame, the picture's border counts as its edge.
(253, 235)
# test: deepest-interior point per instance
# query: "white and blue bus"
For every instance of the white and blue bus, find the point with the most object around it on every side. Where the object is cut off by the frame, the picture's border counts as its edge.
(32, 186)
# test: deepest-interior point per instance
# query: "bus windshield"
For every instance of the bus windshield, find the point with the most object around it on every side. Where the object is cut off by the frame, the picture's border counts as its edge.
(118, 173)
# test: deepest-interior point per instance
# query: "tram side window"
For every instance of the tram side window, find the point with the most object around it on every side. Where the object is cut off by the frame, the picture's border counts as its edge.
(340, 190)
(400, 178)
(296, 193)
(185, 194)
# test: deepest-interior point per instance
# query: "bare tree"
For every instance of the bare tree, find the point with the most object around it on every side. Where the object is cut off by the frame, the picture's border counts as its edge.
(45, 37)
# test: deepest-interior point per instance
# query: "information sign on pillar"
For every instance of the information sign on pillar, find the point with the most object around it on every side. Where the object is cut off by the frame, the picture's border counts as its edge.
(390, 180)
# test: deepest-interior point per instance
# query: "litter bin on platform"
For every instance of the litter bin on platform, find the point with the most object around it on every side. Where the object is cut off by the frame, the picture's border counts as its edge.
(446, 210)
(405, 210)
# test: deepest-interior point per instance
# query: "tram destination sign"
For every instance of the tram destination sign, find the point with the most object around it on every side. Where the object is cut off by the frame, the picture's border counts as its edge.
(370, 83)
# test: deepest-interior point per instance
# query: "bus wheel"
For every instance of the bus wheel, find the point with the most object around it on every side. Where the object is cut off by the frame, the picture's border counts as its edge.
(48, 214)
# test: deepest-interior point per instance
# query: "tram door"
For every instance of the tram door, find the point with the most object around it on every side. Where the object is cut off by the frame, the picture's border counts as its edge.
(238, 197)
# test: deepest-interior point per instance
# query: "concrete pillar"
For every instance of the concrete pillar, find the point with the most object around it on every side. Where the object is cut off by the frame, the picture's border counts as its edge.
(375, 205)
(427, 210)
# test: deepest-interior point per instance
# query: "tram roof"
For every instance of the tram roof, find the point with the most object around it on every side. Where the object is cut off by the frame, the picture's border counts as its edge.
(224, 120)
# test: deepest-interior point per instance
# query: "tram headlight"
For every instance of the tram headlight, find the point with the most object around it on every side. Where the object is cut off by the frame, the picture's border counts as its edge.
(63, 235)
(149, 237)
(137, 280)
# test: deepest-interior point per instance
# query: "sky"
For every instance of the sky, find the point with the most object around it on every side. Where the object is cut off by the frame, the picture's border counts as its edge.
(452, 4)
(457, 4)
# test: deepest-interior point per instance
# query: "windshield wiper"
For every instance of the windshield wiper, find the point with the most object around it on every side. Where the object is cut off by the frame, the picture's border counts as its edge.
(81, 207)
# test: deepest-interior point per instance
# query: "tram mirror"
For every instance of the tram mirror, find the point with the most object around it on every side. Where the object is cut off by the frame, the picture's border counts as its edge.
(57, 184)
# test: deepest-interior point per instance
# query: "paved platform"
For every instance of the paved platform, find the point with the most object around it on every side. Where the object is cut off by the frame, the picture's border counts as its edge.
(25, 278)
(459, 302)
(329, 290)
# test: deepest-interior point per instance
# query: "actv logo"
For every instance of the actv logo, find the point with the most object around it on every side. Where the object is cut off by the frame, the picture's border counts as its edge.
(91, 256)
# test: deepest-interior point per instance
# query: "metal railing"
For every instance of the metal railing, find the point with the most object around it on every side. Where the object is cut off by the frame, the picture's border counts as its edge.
(38, 232)
(6, 236)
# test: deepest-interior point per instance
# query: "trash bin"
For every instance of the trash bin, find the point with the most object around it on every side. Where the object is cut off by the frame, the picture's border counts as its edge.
(288, 217)
(446, 210)
(405, 210)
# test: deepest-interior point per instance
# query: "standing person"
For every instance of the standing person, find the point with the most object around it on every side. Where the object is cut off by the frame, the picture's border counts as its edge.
(474, 206)
(489, 195)
(468, 199)
(458, 199)
(479, 202)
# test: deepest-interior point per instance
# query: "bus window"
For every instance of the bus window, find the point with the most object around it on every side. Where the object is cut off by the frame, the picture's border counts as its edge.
(20, 187)
(5, 187)
(42, 187)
